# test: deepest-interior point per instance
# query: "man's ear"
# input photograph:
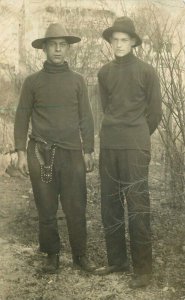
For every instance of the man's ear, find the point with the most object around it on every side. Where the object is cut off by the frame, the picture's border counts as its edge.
(110, 39)
(133, 42)
(44, 47)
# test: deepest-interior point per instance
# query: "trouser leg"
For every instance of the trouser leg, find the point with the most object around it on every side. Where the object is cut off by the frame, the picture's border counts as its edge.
(74, 198)
(139, 210)
(46, 198)
(112, 208)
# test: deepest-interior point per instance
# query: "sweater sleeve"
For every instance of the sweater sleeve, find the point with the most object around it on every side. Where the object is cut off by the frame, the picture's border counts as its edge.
(103, 91)
(22, 116)
(154, 100)
(86, 122)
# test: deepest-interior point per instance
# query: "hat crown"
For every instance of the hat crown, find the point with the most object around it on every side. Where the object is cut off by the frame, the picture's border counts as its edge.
(124, 22)
(56, 30)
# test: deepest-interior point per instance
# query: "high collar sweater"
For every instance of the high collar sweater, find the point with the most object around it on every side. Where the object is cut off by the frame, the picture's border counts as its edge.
(131, 101)
(56, 101)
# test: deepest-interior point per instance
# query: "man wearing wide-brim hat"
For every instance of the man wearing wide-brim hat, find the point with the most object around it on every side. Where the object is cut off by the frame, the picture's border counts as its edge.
(131, 102)
(60, 145)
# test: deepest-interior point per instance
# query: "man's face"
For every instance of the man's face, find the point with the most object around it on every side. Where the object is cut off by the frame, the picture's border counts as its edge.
(56, 50)
(121, 43)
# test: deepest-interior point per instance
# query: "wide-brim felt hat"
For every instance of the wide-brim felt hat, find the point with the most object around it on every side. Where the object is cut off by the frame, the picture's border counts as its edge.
(55, 30)
(125, 25)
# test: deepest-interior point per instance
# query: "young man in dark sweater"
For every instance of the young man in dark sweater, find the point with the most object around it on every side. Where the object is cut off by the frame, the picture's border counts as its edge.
(131, 102)
(60, 145)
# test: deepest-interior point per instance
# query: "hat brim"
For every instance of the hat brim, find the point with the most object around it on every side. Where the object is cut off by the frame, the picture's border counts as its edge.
(107, 34)
(38, 43)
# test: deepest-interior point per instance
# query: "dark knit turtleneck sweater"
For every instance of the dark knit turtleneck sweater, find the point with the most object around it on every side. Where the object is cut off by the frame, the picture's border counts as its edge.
(56, 100)
(131, 101)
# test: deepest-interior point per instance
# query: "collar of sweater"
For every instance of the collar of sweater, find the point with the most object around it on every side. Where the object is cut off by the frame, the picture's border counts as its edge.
(124, 60)
(52, 68)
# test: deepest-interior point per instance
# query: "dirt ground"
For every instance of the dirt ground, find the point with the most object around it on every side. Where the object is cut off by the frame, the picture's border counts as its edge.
(20, 278)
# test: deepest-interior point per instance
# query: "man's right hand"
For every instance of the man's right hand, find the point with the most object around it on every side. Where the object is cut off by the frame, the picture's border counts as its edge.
(22, 165)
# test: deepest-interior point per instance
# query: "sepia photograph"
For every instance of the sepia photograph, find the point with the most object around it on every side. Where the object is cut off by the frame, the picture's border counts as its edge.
(92, 150)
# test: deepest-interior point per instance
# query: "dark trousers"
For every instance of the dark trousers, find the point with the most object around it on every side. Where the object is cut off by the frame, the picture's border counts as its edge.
(124, 175)
(69, 183)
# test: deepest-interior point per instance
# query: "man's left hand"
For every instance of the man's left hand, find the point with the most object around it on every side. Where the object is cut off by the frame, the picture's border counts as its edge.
(89, 162)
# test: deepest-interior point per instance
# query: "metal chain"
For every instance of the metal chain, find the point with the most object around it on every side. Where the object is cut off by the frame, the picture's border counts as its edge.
(46, 171)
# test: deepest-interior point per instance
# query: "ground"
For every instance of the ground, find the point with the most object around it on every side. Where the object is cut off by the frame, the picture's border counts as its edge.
(20, 278)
